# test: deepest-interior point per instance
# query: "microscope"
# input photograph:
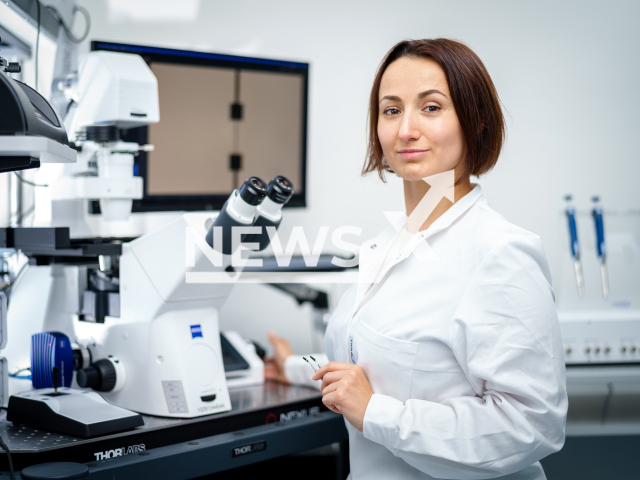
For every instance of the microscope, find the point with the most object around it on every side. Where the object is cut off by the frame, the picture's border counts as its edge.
(31, 132)
(144, 338)
(111, 91)
(166, 341)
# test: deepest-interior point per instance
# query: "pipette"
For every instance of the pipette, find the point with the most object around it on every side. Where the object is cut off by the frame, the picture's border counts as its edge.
(596, 213)
(310, 364)
(317, 363)
(575, 246)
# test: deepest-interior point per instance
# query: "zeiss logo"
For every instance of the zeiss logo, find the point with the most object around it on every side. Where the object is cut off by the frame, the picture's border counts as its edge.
(196, 331)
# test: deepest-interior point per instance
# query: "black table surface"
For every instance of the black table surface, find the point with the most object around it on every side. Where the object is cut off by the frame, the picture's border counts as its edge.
(251, 406)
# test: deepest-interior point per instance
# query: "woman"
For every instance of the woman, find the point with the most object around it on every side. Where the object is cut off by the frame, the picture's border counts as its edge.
(450, 365)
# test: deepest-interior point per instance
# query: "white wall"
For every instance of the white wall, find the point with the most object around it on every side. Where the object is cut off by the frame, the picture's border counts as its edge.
(567, 72)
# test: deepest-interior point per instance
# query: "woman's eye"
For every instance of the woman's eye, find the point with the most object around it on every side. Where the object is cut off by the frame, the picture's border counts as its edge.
(391, 111)
(431, 108)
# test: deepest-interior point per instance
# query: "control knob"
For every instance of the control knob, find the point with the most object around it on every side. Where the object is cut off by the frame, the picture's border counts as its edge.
(100, 375)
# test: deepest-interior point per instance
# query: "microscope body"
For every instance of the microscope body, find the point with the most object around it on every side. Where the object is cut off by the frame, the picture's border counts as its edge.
(167, 336)
(112, 91)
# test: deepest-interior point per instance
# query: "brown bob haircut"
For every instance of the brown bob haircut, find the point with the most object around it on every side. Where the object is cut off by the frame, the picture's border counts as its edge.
(474, 98)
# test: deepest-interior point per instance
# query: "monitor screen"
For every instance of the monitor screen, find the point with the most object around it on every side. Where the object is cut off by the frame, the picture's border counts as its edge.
(223, 119)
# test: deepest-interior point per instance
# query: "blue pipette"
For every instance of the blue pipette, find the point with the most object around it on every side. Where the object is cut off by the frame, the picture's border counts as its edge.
(575, 246)
(596, 213)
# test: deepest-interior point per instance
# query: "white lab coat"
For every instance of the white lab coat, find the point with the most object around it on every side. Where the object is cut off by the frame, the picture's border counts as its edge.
(463, 353)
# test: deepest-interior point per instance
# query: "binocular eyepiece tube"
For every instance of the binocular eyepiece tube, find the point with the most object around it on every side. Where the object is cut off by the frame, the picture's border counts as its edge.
(254, 204)
(279, 192)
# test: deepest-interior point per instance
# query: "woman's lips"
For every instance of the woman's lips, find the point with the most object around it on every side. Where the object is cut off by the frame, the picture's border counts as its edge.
(410, 153)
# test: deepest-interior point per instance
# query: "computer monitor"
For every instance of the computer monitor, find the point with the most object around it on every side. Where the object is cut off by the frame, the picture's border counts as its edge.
(223, 118)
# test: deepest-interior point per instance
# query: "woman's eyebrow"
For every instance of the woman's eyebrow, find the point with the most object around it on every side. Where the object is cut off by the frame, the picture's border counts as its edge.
(393, 98)
(421, 95)
(426, 93)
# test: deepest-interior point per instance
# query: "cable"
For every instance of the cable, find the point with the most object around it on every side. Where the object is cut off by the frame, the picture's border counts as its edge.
(67, 28)
(71, 104)
(6, 449)
(19, 371)
(24, 215)
(37, 41)
(29, 182)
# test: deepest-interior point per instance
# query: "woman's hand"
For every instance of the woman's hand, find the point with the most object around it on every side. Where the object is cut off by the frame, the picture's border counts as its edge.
(346, 390)
(274, 366)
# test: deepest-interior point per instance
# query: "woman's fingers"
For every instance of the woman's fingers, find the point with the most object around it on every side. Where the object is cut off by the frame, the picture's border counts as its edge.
(329, 388)
(345, 389)
(271, 372)
(273, 339)
(330, 378)
(329, 401)
(281, 347)
(330, 367)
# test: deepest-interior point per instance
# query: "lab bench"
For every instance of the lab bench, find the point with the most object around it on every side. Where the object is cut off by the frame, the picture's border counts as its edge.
(265, 422)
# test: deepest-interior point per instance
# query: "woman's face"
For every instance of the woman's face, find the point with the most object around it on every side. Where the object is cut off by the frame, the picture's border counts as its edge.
(417, 125)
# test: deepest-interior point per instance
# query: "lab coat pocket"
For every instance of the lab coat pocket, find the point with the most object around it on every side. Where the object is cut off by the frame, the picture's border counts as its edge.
(386, 361)
(437, 375)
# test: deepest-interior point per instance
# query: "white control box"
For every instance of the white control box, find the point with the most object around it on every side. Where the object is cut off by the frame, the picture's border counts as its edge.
(600, 336)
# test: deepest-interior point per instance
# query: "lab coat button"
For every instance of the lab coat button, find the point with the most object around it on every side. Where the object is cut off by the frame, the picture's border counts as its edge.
(373, 246)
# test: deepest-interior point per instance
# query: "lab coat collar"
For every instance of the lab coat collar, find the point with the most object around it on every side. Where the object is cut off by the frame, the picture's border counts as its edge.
(379, 244)
(373, 252)
(450, 216)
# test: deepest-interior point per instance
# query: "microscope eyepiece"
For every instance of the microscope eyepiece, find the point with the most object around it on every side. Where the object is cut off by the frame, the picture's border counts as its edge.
(253, 191)
(280, 190)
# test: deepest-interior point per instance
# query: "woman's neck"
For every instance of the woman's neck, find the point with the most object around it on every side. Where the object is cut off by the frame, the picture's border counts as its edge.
(415, 191)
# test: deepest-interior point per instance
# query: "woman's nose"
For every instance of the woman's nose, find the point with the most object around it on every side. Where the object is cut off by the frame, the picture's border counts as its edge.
(408, 128)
